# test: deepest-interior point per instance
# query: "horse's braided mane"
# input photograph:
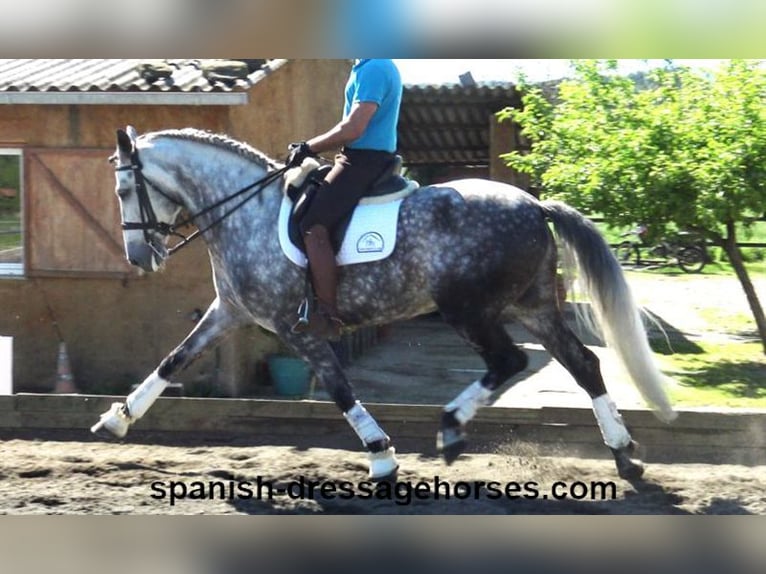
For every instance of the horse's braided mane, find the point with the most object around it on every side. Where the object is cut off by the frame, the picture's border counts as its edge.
(218, 140)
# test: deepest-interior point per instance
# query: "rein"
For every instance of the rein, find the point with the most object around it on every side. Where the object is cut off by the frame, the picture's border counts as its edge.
(149, 219)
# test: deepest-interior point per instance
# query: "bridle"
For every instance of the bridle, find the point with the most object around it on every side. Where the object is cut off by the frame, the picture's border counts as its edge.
(149, 220)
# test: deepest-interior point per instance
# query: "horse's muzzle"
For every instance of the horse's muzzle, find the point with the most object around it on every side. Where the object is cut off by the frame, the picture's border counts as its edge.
(145, 256)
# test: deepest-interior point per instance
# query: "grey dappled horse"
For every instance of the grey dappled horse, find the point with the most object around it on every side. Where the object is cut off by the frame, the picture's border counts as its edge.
(479, 252)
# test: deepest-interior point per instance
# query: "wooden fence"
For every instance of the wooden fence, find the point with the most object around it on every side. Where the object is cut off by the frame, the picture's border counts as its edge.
(733, 437)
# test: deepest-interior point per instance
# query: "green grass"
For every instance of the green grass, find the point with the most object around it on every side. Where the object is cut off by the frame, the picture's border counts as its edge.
(10, 224)
(730, 374)
(726, 368)
(718, 267)
(9, 240)
(755, 234)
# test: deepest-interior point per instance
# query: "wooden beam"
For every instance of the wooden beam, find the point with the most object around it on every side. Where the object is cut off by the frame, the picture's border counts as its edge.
(733, 436)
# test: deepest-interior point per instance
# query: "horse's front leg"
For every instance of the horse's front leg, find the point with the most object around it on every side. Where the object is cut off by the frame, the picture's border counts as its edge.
(217, 322)
(327, 369)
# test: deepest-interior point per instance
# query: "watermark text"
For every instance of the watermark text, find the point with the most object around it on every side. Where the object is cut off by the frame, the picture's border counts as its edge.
(400, 492)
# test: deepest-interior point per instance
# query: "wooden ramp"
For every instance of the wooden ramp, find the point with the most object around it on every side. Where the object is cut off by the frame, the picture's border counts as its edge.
(732, 437)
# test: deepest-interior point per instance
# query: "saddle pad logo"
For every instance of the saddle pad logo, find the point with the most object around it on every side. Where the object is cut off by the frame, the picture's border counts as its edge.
(370, 242)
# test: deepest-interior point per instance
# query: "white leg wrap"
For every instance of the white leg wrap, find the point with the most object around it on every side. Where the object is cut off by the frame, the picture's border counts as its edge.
(364, 425)
(468, 402)
(610, 422)
(117, 421)
(139, 401)
(383, 463)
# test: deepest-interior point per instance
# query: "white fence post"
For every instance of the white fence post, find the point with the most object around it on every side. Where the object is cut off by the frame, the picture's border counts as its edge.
(6, 365)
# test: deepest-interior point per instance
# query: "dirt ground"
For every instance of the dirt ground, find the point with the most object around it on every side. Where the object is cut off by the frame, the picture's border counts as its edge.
(56, 476)
(69, 477)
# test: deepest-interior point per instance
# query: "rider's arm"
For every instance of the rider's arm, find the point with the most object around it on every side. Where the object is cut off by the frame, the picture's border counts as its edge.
(347, 130)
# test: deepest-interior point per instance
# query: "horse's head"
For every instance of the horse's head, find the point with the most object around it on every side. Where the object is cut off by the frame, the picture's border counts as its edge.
(147, 212)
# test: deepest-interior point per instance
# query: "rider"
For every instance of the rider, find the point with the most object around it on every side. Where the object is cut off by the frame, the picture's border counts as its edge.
(367, 134)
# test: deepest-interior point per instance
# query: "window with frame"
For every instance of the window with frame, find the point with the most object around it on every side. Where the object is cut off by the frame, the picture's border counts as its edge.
(11, 216)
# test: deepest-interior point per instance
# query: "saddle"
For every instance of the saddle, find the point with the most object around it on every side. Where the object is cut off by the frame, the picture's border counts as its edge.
(301, 189)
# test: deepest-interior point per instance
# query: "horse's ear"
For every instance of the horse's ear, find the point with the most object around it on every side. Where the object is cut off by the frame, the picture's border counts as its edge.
(132, 133)
(124, 143)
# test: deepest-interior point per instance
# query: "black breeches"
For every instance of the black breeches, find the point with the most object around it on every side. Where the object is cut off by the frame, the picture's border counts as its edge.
(349, 179)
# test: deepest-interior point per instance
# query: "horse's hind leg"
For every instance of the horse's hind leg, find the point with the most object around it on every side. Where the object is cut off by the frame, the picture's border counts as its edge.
(554, 334)
(503, 359)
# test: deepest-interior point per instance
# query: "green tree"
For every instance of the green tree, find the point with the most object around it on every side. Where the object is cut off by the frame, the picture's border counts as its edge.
(680, 149)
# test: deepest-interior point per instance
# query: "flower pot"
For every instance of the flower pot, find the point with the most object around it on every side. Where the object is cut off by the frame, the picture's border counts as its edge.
(290, 376)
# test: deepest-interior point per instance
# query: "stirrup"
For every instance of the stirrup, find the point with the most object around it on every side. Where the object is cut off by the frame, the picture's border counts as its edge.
(302, 324)
(319, 323)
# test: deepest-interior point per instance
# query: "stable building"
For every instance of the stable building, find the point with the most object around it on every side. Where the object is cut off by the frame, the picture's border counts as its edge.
(63, 273)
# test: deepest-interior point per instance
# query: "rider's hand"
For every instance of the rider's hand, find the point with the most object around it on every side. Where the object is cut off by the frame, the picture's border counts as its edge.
(297, 153)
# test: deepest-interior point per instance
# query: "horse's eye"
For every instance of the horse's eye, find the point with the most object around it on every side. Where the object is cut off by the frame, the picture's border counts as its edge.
(112, 159)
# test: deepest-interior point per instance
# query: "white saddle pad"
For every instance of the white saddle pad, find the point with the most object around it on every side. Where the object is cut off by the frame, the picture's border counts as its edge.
(371, 234)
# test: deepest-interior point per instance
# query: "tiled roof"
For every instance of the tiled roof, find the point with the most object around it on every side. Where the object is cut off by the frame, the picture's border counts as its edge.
(439, 124)
(449, 124)
(56, 75)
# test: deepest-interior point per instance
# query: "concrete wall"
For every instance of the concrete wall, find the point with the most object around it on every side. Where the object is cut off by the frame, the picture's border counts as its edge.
(118, 329)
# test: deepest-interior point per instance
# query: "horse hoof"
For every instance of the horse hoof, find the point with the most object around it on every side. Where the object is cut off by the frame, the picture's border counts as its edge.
(630, 470)
(450, 441)
(114, 420)
(627, 468)
(451, 453)
(383, 465)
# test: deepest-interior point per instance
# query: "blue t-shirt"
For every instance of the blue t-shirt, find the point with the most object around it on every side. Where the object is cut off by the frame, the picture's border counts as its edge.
(376, 81)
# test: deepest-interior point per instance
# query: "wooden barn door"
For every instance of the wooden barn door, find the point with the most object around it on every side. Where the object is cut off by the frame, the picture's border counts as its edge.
(72, 214)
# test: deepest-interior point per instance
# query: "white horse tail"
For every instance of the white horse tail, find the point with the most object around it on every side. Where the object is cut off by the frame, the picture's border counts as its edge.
(613, 307)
